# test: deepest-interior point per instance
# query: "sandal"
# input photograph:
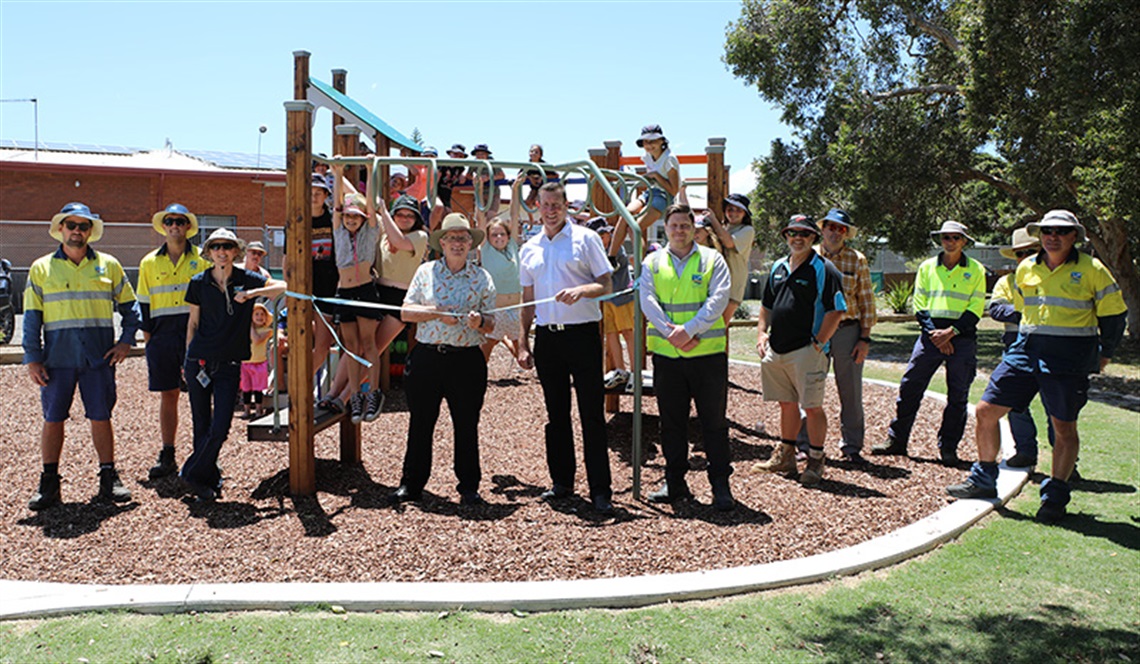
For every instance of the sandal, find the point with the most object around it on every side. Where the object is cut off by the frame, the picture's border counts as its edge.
(331, 405)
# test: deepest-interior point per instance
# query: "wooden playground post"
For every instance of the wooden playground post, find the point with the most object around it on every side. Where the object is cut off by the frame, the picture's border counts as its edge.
(717, 174)
(299, 234)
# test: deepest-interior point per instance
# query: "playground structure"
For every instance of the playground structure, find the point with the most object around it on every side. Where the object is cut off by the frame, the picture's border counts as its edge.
(608, 193)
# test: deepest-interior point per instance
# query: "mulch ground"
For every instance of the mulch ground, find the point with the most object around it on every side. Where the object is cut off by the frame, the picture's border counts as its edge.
(349, 532)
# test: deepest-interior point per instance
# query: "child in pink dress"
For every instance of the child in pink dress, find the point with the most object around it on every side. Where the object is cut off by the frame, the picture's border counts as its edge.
(255, 370)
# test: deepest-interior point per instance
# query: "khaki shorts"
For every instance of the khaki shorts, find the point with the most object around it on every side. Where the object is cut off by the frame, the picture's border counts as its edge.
(795, 377)
(617, 318)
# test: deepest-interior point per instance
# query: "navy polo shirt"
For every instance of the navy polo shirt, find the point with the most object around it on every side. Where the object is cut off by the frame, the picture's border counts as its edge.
(223, 324)
(797, 301)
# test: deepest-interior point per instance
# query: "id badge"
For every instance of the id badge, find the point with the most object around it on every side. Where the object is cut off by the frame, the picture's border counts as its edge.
(203, 377)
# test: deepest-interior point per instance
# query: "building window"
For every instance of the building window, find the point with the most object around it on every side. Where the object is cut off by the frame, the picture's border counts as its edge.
(208, 223)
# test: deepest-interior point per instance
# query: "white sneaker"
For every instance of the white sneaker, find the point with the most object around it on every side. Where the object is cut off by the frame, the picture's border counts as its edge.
(616, 378)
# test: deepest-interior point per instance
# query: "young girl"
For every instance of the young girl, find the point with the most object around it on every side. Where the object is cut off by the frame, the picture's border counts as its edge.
(500, 258)
(736, 239)
(255, 371)
(664, 174)
(354, 236)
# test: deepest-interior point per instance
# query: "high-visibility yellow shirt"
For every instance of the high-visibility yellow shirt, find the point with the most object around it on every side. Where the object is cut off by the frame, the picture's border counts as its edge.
(950, 296)
(1064, 315)
(162, 287)
(73, 306)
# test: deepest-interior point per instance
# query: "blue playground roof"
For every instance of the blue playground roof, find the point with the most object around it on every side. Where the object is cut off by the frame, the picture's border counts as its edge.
(323, 94)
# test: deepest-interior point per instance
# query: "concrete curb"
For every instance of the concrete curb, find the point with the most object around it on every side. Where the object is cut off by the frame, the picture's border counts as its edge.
(31, 599)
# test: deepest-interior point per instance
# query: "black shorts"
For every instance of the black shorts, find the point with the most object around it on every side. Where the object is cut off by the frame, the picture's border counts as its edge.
(362, 293)
(165, 354)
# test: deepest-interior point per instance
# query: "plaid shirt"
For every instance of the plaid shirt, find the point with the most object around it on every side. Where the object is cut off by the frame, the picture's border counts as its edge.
(857, 286)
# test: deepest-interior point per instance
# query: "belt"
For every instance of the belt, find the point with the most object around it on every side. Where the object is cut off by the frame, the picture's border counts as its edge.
(559, 327)
(444, 349)
(849, 321)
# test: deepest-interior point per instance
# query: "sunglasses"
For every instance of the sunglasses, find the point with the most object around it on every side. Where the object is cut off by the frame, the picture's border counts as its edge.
(953, 237)
(1054, 230)
(175, 221)
(224, 246)
(799, 234)
(82, 226)
(1025, 252)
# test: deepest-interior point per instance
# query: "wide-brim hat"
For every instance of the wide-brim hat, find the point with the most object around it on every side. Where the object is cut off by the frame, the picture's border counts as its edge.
(460, 148)
(257, 246)
(482, 147)
(1020, 241)
(76, 210)
(952, 227)
(650, 133)
(837, 216)
(225, 235)
(429, 151)
(406, 202)
(175, 208)
(1058, 218)
(454, 221)
(741, 201)
(800, 222)
(319, 182)
(599, 225)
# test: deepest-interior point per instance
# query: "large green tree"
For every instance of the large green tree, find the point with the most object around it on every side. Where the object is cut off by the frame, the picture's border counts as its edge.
(988, 111)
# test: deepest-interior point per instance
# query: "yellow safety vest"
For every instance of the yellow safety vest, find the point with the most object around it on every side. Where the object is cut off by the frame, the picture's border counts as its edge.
(1066, 302)
(162, 284)
(681, 298)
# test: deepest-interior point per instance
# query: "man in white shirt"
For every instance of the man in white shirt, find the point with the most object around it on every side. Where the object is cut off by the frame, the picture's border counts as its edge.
(568, 263)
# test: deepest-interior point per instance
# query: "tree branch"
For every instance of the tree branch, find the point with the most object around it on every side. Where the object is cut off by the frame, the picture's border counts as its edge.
(938, 88)
(943, 35)
(1007, 187)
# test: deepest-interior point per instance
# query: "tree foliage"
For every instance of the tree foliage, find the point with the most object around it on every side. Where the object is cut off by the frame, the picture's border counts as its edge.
(991, 112)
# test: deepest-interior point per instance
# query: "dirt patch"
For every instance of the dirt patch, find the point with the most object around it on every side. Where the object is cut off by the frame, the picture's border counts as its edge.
(348, 531)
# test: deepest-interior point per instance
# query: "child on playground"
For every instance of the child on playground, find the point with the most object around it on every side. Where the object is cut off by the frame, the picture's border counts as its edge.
(664, 174)
(255, 370)
(617, 312)
(355, 234)
(499, 256)
(478, 176)
(736, 239)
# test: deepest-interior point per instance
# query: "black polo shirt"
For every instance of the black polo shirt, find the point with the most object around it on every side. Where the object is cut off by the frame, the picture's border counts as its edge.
(223, 324)
(798, 300)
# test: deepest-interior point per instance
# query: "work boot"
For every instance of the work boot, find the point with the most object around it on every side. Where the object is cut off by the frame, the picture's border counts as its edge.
(165, 465)
(814, 471)
(722, 495)
(110, 488)
(48, 495)
(782, 461)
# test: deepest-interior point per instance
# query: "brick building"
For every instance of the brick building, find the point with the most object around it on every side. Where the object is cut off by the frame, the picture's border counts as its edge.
(125, 187)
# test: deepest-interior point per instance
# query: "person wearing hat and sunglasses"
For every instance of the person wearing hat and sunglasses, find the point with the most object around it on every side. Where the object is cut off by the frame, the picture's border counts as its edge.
(800, 311)
(852, 340)
(736, 238)
(220, 303)
(1072, 321)
(70, 300)
(663, 171)
(255, 258)
(1005, 307)
(164, 275)
(447, 298)
(949, 299)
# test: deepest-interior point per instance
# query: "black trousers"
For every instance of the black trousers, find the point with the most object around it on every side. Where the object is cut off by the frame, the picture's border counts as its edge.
(678, 382)
(574, 354)
(430, 376)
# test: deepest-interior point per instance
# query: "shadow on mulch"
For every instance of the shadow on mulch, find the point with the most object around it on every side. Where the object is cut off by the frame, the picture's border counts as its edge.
(71, 520)
(695, 510)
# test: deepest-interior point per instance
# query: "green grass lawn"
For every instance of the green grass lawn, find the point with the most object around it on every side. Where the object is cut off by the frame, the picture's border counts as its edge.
(1009, 590)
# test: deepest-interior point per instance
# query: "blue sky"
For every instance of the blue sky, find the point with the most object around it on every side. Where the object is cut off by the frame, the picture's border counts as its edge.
(206, 75)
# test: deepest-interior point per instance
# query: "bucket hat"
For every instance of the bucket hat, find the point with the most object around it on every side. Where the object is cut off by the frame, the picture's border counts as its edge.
(482, 147)
(741, 201)
(255, 246)
(175, 208)
(800, 222)
(406, 202)
(649, 133)
(599, 225)
(454, 221)
(77, 210)
(457, 148)
(1020, 240)
(837, 216)
(320, 182)
(225, 235)
(429, 151)
(1058, 218)
(952, 228)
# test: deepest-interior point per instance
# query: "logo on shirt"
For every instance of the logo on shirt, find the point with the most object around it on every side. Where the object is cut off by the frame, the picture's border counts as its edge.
(1075, 277)
(802, 282)
(698, 279)
(193, 265)
(100, 270)
(968, 275)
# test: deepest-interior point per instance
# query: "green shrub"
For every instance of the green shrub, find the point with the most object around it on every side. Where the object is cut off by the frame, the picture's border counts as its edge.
(897, 297)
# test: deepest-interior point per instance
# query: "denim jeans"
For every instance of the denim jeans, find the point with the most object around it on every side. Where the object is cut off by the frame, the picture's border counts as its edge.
(211, 420)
